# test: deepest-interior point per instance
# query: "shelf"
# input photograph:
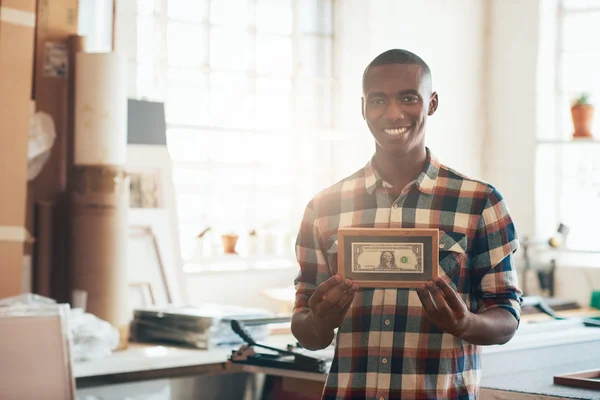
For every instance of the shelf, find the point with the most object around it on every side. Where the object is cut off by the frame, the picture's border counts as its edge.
(569, 141)
(234, 262)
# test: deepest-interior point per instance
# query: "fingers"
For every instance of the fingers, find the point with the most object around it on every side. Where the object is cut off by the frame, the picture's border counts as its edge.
(426, 300)
(437, 296)
(345, 300)
(348, 305)
(325, 286)
(452, 298)
(333, 296)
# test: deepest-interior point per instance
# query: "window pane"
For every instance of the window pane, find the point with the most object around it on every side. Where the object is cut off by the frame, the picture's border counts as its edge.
(274, 103)
(274, 16)
(231, 100)
(145, 7)
(229, 49)
(581, 31)
(580, 195)
(580, 71)
(189, 146)
(230, 82)
(145, 56)
(580, 4)
(314, 104)
(186, 44)
(186, 106)
(188, 10)
(145, 40)
(187, 96)
(274, 55)
(316, 16)
(230, 12)
(316, 56)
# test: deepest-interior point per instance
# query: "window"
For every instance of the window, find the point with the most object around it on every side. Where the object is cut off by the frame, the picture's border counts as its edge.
(249, 104)
(568, 171)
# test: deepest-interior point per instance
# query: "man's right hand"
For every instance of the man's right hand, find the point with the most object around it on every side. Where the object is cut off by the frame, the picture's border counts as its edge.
(330, 302)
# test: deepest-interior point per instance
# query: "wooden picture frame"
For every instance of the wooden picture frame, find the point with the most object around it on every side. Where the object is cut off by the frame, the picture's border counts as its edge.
(589, 379)
(388, 258)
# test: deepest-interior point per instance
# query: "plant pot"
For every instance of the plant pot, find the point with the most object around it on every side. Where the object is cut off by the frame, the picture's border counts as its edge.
(582, 115)
(229, 243)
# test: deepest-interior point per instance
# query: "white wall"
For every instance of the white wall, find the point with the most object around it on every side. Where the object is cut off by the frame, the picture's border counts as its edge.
(450, 36)
(515, 47)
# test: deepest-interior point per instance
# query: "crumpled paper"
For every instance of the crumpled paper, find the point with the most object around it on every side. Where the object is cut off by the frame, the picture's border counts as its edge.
(91, 337)
(42, 135)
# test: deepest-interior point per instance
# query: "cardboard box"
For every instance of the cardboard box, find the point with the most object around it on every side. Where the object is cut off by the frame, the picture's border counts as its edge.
(57, 20)
(17, 26)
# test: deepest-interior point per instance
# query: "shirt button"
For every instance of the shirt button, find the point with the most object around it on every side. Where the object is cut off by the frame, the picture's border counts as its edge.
(395, 205)
(387, 322)
(442, 246)
(381, 398)
(384, 360)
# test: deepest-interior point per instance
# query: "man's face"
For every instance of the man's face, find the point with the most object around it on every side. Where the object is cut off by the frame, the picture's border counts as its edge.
(387, 257)
(396, 101)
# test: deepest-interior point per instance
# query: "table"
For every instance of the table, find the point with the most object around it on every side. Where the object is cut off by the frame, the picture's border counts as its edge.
(522, 368)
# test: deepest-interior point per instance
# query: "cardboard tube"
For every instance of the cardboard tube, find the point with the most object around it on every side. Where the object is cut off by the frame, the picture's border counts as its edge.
(100, 109)
(99, 233)
(44, 248)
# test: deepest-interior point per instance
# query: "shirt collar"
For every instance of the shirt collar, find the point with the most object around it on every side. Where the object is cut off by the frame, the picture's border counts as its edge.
(425, 182)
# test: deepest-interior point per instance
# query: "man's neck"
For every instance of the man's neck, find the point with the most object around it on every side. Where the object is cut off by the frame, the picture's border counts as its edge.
(400, 170)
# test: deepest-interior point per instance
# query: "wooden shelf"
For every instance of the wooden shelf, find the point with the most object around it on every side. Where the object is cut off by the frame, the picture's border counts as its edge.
(569, 141)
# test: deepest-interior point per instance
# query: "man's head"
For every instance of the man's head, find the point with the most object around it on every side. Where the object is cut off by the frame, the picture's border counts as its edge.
(397, 99)
(387, 257)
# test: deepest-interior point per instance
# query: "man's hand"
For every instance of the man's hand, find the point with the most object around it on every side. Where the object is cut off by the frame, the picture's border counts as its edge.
(445, 308)
(327, 308)
(330, 302)
(449, 312)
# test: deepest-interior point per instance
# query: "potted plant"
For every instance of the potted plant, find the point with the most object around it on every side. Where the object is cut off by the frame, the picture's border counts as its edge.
(582, 113)
(229, 243)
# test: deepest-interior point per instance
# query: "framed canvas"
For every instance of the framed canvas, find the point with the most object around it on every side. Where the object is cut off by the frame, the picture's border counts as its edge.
(145, 264)
(388, 258)
(140, 296)
(589, 379)
(153, 207)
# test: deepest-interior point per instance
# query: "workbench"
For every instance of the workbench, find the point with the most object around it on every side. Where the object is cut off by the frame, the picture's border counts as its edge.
(523, 369)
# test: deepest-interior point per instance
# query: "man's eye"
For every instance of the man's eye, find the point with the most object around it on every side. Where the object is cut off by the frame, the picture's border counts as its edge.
(410, 99)
(377, 101)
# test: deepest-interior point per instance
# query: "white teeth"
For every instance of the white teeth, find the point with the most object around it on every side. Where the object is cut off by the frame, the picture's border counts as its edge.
(395, 131)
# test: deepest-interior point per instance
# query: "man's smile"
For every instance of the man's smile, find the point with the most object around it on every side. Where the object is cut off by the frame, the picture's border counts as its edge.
(396, 131)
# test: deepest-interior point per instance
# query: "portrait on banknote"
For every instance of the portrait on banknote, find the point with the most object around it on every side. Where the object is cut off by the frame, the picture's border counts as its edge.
(392, 257)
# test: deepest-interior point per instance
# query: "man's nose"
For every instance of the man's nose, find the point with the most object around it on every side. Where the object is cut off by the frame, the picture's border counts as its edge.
(394, 112)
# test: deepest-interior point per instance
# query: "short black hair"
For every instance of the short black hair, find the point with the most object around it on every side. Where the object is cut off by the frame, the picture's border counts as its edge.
(398, 56)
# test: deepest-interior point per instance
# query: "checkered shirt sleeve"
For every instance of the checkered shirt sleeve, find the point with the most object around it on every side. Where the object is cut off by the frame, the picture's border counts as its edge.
(314, 268)
(493, 262)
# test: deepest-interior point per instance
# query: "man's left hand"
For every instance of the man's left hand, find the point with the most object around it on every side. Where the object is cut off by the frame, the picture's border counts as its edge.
(445, 308)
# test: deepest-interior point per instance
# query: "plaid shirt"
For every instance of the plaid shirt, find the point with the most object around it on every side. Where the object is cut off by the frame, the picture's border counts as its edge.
(387, 348)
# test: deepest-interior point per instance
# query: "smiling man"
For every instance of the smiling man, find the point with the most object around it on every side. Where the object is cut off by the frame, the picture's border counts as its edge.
(401, 343)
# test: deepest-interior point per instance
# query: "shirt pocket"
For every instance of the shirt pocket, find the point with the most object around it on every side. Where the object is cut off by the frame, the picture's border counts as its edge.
(452, 257)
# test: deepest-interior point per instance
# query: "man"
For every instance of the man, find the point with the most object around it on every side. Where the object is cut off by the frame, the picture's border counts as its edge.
(401, 343)
(387, 261)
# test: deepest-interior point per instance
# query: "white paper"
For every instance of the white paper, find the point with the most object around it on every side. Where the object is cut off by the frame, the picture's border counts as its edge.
(101, 109)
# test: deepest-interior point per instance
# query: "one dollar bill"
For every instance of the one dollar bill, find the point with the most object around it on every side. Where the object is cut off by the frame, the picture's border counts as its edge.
(387, 257)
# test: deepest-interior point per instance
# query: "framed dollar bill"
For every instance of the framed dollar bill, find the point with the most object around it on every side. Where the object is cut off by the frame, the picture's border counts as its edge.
(388, 258)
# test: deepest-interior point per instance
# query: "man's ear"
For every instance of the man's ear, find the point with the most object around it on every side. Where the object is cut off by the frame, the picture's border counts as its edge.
(433, 103)
(362, 107)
